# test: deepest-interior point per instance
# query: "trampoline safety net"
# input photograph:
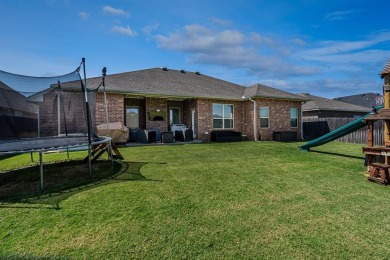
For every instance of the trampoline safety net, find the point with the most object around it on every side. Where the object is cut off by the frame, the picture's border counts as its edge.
(43, 107)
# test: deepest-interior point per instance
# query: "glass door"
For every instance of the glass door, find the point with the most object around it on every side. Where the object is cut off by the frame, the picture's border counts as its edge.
(132, 117)
(174, 115)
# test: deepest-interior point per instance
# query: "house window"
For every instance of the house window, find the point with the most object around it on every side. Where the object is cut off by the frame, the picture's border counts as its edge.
(264, 117)
(174, 115)
(223, 116)
(294, 117)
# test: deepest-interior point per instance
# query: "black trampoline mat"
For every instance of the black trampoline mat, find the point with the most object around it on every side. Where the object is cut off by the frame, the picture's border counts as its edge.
(46, 143)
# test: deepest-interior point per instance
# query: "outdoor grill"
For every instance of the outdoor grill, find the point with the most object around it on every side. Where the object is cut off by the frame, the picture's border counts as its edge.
(178, 127)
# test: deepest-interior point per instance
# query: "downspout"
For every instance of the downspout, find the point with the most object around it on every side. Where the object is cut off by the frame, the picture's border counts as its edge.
(302, 120)
(254, 120)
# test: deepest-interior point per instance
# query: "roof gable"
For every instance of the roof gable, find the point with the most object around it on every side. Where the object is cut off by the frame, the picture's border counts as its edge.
(263, 91)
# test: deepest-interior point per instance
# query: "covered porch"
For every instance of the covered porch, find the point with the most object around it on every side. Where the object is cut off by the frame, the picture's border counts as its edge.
(152, 119)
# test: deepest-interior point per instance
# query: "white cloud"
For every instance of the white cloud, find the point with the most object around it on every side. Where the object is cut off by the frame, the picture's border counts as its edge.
(84, 15)
(332, 88)
(276, 83)
(338, 15)
(199, 39)
(221, 21)
(298, 41)
(348, 51)
(148, 29)
(252, 52)
(123, 30)
(115, 11)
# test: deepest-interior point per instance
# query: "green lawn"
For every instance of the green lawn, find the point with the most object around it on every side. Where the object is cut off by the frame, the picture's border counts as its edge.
(247, 200)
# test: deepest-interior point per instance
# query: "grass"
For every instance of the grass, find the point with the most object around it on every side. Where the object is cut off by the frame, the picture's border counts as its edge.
(242, 200)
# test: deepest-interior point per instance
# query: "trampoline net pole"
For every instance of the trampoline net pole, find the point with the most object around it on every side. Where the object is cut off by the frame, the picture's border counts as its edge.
(41, 170)
(109, 151)
(89, 160)
(104, 73)
(58, 113)
(106, 107)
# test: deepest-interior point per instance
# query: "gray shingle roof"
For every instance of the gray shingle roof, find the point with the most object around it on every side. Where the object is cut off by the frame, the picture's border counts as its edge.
(386, 70)
(319, 103)
(9, 98)
(169, 82)
(176, 83)
(364, 99)
(262, 91)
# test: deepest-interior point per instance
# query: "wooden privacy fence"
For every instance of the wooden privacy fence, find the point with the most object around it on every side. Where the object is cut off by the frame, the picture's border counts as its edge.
(316, 127)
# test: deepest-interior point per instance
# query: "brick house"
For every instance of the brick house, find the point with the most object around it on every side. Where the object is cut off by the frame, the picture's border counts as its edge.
(204, 104)
(319, 107)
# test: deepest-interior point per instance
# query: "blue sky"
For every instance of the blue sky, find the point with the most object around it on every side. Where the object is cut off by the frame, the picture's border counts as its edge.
(327, 48)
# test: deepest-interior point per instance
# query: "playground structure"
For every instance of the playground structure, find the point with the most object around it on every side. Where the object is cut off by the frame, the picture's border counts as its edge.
(339, 132)
(65, 117)
(378, 157)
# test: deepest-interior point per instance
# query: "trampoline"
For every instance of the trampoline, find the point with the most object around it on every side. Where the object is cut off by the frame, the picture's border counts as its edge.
(48, 144)
(64, 117)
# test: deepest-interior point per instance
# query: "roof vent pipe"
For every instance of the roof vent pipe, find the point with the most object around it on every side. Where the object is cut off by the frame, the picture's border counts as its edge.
(197, 72)
(182, 71)
(164, 69)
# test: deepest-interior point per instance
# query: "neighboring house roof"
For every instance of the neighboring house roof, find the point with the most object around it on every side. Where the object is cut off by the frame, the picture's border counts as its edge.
(11, 99)
(184, 84)
(365, 99)
(319, 103)
(386, 70)
(262, 91)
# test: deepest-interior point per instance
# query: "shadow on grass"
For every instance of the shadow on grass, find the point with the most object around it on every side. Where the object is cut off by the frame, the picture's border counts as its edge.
(20, 188)
(339, 154)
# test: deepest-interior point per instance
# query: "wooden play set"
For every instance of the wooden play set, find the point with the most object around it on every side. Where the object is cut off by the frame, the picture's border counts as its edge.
(378, 157)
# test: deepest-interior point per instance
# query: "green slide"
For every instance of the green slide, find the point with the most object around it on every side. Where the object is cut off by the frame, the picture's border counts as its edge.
(337, 133)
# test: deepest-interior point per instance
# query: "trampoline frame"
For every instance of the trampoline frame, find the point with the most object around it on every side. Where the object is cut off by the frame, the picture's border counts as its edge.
(41, 150)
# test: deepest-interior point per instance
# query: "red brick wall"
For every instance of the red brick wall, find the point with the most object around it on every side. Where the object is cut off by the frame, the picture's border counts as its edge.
(243, 117)
(188, 106)
(115, 105)
(279, 114)
(204, 113)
